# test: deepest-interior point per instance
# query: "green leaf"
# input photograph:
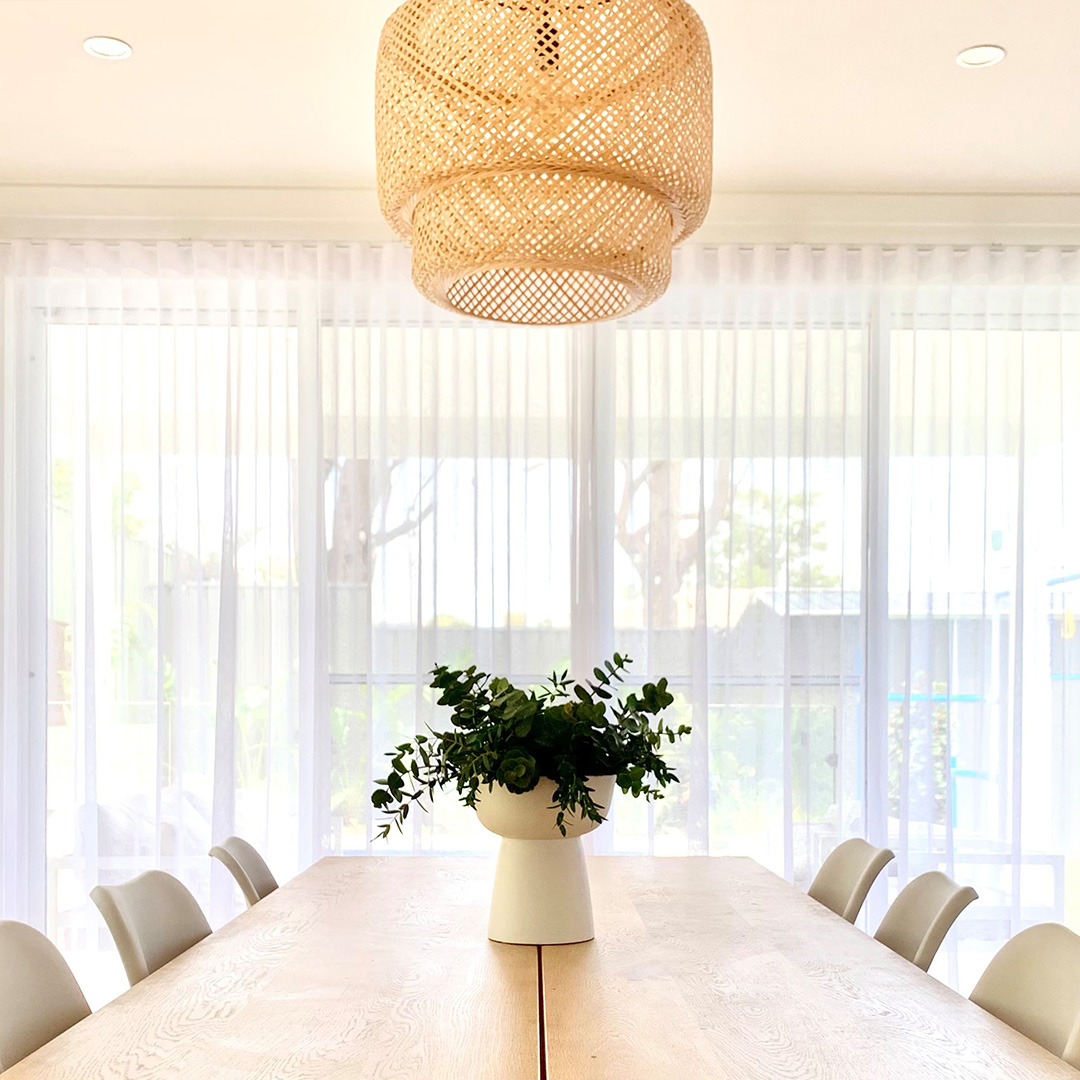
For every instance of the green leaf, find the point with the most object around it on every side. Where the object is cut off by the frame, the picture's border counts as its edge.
(518, 771)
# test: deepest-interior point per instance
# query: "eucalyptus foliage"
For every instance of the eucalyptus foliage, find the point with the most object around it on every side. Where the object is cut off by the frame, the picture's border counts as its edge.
(565, 731)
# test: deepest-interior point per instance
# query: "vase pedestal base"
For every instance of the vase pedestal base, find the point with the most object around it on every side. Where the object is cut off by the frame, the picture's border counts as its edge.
(541, 894)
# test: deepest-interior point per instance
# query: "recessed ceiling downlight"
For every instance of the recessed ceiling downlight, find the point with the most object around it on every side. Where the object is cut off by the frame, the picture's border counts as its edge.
(107, 48)
(980, 56)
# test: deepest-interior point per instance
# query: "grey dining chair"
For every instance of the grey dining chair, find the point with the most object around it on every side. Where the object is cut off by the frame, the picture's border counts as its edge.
(152, 918)
(1033, 984)
(39, 997)
(846, 875)
(922, 914)
(247, 866)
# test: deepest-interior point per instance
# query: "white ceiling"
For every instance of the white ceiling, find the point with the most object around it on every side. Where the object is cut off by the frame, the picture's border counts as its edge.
(811, 95)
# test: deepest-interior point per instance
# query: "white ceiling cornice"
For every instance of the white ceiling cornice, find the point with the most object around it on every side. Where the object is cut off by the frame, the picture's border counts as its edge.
(148, 212)
(77, 211)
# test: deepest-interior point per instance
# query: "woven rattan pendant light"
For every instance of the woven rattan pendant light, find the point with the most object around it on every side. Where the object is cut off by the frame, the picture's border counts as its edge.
(543, 157)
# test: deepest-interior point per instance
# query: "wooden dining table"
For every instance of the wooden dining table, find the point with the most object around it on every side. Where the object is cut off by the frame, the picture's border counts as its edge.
(380, 968)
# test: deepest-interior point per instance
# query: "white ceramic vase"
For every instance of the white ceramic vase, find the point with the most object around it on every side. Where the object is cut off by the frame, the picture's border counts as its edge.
(541, 894)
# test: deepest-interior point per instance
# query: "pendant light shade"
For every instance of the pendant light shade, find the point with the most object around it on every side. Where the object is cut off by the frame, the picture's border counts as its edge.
(543, 157)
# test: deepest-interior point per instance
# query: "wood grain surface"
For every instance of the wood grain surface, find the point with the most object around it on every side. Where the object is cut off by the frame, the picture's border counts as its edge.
(360, 968)
(715, 968)
(377, 968)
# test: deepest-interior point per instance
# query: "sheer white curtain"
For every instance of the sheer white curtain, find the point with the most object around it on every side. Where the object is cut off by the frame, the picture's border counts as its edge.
(254, 492)
(268, 490)
(983, 405)
(737, 556)
(170, 668)
(845, 522)
(446, 498)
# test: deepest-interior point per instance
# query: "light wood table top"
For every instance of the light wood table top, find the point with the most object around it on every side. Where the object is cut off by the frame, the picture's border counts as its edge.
(717, 968)
(378, 968)
(358, 968)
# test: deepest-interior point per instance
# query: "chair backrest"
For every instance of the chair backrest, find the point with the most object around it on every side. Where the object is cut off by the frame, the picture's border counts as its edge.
(1033, 984)
(846, 875)
(153, 918)
(247, 866)
(921, 915)
(39, 997)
